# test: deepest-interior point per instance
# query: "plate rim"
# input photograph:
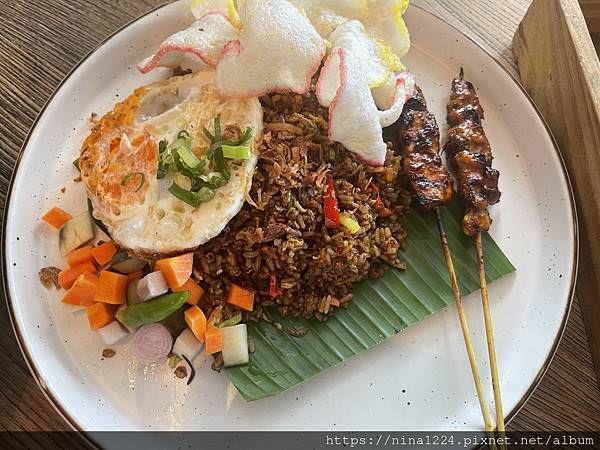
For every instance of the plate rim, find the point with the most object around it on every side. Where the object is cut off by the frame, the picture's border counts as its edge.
(34, 371)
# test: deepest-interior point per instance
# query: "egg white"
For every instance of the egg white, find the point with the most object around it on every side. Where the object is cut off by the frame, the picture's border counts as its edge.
(161, 223)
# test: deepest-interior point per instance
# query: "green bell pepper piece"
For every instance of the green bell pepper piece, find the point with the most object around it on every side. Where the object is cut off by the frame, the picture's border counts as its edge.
(152, 311)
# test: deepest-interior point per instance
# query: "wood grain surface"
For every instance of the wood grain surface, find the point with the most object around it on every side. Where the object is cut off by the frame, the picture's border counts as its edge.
(41, 41)
(591, 12)
(553, 48)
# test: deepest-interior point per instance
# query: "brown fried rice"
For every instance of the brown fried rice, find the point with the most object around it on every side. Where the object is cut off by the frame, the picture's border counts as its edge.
(280, 232)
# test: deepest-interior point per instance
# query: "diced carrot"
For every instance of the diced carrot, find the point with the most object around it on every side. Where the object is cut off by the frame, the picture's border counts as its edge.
(137, 275)
(67, 277)
(111, 288)
(83, 290)
(176, 270)
(56, 217)
(104, 252)
(334, 302)
(240, 297)
(214, 340)
(100, 314)
(195, 290)
(196, 320)
(80, 255)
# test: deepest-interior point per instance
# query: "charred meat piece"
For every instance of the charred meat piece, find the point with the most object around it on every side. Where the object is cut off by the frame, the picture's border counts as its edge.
(419, 145)
(470, 156)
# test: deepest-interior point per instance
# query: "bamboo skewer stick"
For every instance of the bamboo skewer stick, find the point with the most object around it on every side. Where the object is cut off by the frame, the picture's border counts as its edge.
(485, 412)
(435, 188)
(489, 333)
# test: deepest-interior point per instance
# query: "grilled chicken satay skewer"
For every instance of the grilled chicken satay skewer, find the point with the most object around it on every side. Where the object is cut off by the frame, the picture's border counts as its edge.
(470, 158)
(431, 186)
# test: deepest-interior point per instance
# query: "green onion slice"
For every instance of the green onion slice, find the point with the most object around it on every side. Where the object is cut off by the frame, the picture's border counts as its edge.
(185, 196)
(236, 151)
(217, 128)
(350, 223)
(188, 157)
(232, 321)
(205, 194)
(208, 134)
(221, 164)
(178, 157)
(193, 199)
(132, 174)
(165, 159)
(246, 135)
(214, 180)
(162, 146)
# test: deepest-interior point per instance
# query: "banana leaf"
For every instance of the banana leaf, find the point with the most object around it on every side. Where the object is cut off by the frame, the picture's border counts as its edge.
(380, 308)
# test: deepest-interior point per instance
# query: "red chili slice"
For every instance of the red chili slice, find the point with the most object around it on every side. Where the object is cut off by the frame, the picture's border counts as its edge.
(274, 291)
(330, 206)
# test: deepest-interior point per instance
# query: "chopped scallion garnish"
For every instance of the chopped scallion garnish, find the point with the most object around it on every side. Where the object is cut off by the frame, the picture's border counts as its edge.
(132, 174)
(193, 199)
(214, 180)
(165, 160)
(185, 196)
(188, 157)
(232, 321)
(205, 194)
(179, 157)
(162, 146)
(208, 134)
(217, 128)
(350, 223)
(221, 164)
(236, 151)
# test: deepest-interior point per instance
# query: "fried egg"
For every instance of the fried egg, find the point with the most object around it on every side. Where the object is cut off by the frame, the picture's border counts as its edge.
(119, 163)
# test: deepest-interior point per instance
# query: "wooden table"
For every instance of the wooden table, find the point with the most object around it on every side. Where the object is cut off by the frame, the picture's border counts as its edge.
(41, 41)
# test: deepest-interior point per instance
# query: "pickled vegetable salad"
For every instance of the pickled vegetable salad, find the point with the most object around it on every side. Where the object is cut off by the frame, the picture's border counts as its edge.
(155, 306)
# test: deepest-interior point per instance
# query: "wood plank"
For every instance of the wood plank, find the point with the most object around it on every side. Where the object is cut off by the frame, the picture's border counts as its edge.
(560, 69)
(41, 41)
(489, 22)
(591, 13)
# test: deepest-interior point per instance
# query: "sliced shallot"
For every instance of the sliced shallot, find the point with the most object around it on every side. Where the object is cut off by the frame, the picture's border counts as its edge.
(151, 343)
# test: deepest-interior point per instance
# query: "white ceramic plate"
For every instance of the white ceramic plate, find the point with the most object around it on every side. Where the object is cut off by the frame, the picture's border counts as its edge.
(417, 380)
